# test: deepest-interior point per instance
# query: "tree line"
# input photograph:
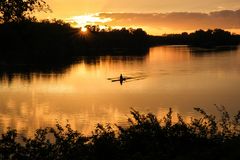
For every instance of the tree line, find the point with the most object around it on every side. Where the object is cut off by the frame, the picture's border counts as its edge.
(23, 36)
(199, 38)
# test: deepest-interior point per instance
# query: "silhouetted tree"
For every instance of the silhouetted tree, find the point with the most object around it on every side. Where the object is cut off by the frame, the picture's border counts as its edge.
(19, 10)
(200, 38)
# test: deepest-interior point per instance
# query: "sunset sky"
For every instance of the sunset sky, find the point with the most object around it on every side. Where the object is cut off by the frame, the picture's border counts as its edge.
(155, 16)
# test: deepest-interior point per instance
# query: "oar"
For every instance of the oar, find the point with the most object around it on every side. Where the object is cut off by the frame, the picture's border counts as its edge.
(112, 78)
(116, 80)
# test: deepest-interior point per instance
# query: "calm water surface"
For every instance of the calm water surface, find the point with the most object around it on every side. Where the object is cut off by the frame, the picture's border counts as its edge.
(167, 76)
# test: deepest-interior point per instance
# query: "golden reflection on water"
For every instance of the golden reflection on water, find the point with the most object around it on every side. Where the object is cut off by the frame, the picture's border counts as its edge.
(173, 77)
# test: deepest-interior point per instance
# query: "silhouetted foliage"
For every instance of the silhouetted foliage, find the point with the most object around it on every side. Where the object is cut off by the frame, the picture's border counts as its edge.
(146, 137)
(116, 38)
(200, 38)
(57, 40)
(19, 10)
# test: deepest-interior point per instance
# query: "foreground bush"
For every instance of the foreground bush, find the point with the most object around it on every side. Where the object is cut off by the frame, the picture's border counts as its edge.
(146, 137)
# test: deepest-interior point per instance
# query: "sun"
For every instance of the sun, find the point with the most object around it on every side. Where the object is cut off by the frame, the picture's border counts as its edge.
(83, 29)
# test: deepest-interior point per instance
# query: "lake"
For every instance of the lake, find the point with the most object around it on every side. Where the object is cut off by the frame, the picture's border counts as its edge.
(83, 93)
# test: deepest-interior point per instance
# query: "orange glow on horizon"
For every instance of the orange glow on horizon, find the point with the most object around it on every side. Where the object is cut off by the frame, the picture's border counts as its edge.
(105, 23)
(83, 20)
(155, 17)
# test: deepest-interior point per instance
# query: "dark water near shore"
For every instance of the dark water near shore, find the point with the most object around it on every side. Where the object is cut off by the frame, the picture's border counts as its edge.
(82, 94)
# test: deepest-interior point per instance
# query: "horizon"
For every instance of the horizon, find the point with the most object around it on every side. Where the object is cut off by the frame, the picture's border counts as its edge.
(155, 17)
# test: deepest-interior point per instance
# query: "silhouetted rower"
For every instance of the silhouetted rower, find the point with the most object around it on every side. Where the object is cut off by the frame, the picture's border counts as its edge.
(121, 79)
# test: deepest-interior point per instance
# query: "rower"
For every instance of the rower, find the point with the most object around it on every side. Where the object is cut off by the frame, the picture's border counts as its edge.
(121, 77)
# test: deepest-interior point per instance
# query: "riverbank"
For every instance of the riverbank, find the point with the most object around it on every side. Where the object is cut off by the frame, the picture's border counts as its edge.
(208, 39)
(58, 40)
(146, 137)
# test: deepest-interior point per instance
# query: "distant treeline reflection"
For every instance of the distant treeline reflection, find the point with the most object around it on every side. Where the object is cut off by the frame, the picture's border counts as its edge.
(27, 69)
(146, 137)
